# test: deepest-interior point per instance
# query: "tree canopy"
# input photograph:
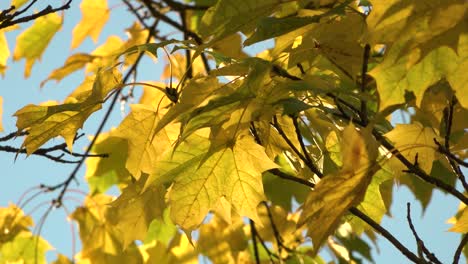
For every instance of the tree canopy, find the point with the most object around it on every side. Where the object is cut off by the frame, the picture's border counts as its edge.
(237, 157)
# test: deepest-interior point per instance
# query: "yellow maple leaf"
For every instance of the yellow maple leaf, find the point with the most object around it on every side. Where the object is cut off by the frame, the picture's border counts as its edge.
(32, 42)
(336, 193)
(4, 53)
(95, 15)
(18, 3)
(232, 172)
(413, 140)
(134, 210)
(44, 122)
(460, 222)
(72, 64)
(145, 148)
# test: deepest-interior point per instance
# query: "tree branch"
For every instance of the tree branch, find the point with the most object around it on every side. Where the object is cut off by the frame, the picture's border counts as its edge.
(419, 242)
(8, 20)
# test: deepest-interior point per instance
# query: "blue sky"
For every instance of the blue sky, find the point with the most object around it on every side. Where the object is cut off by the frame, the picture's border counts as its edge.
(24, 173)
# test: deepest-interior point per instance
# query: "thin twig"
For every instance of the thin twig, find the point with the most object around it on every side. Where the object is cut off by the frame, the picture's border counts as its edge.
(419, 242)
(456, 256)
(365, 62)
(311, 163)
(308, 163)
(253, 231)
(48, 10)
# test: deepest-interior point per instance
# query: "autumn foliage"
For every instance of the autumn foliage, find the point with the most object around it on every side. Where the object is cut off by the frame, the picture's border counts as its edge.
(242, 158)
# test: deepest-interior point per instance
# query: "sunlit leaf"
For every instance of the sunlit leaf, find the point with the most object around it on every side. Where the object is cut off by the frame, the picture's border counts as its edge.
(32, 42)
(229, 16)
(144, 147)
(416, 143)
(426, 25)
(336, 193)
(232, 172)
(221, 241)
(461, 224)
(25, 248)
(72, 64)
(4, 52)
(46, 122)
(12, 222)
(95, 14)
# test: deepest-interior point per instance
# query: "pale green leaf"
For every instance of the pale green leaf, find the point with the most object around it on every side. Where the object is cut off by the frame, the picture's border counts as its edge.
(32, 42)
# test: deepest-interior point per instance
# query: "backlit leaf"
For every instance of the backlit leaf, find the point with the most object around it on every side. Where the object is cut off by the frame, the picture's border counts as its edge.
(46, 122)
(144, 147)
(72, 64)
(461, 224)
(25, 248)
(134, 210)
(4, 52)
(336, 193)
(102, 173)
(32, 42)
(426, 25)
(231, 172)
(414, 141)
(229, 16)
(12, 222)
(94, 16)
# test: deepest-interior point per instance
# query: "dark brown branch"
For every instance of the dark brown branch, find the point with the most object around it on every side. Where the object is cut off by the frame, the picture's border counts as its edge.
(188, 61)
(155, 13)
(381, 230)
(253, 231)
(419, 242)
(452, 159)
(13, 135)
(10, 21)
(311, 163)
(308, 163)
(456, 256)
(365, 62)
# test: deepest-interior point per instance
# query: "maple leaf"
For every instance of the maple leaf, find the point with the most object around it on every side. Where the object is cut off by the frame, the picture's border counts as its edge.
(46, 122)
(4, 52)
(102, 173)
(25, 248)
(134, 210)
(72, 64)
(12, 222)
(335, 194)
(414, 141)
(144, 147)
(95, 232)
(32, 42)
(425, 25)
(229, 16)
(233, 173)
(222, 241)
(95, 15)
